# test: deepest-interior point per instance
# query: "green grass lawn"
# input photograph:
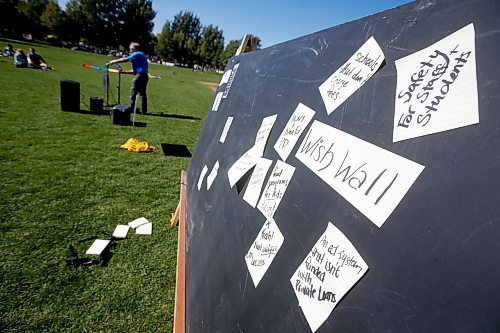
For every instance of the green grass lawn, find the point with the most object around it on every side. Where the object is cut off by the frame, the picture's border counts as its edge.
(65, 179)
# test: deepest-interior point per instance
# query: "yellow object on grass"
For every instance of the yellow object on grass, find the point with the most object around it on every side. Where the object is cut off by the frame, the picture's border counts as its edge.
(137, 146)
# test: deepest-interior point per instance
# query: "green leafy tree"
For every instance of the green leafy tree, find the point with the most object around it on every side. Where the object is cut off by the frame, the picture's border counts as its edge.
(31, 11)
(10, 18)
(165, 46)
(212, 46)
(229, 51)
(138, 19)
(185, 29)
(51, 17)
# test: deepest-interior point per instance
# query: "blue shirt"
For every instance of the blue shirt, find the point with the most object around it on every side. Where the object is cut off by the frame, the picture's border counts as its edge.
(139, 62)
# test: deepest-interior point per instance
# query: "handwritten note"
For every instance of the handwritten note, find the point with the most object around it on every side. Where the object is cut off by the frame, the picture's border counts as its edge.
(352, 75)
(225, 77)
(256, 181)
(263, 250)
(227, 126)
(230, 80)
(437, 87)
(275, 188)
(217, 100)
(372, 179)
(328, 272)
(293, 129)
(212, 175)
(242, 166)
(202, 176)
(263, 134)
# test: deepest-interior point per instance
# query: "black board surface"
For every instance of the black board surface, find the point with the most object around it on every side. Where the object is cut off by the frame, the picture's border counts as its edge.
(434, 266)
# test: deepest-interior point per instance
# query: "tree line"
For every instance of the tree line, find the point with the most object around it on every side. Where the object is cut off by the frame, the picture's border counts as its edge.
(111, 25)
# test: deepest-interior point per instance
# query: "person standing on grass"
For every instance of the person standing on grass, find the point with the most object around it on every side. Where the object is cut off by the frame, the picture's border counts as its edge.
(140, 70)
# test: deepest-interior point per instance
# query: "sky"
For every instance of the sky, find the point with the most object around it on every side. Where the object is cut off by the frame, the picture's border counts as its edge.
(273, 21)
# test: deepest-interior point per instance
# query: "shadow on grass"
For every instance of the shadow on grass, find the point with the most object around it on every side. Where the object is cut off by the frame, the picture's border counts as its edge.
(175, 150)
(83, 111)
(177, 116)
(76, 261)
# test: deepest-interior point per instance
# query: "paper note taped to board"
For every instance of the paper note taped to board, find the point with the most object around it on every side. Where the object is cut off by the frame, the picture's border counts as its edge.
(437, 87)
(218, 98)
(256, 181)
(213, 174)
(275, 188)
(352, 75)
(230, 80)
(263, 250)
(328, 272)
(372, 179)
(263, 134)
(242, 166)
(227, 126)
(202, 176)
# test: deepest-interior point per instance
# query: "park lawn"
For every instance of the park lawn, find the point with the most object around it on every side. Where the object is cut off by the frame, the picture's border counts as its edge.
(65, 180)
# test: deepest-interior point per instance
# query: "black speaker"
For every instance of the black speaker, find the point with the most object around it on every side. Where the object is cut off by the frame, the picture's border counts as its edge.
(70, 95)
(121, 115)
(96, 104)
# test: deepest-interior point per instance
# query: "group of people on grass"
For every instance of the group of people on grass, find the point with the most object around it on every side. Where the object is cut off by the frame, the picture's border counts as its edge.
(21, 60)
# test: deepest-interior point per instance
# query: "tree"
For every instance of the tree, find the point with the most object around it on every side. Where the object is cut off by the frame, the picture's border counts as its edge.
(212, 46)
(31, 11)
(164, 47)
(230, 51)
(185, 31)
(51, 17)
(10, 17)
(138, 23)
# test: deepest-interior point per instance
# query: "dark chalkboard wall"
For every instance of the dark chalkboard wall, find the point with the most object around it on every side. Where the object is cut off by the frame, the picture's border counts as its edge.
(434, 264)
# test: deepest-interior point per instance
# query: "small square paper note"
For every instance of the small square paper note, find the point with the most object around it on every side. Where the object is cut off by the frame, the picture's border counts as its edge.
(145, 229)
(97, 247)
(137, 222)
(121, 231)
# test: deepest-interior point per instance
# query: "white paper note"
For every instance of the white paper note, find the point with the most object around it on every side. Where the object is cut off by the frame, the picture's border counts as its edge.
(242, 166)
(263, 250)
(275, 188)
(225, 77)
(121, 231)
(352, 75)
(145, 229)
(293, 129)
(217, 100)
(227, 126)
(230, 80)
(202, 176)
(256, 181)
(97, 247)
(437, 87)
(263, 134)
(137, 222)
(372, 179)
(212, 175)
(329, 271)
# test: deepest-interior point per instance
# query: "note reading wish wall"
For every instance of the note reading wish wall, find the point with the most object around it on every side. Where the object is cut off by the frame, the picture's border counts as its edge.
(328, 272)
(293, 129)
(437, 87)
(263, 250)
(351, 75)
(372, 179)
(275, 188)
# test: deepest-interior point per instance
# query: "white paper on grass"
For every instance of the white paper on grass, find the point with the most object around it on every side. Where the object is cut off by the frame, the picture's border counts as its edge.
(121, 231)
(372, 179)
(202, 176)
(275, 188)
(293, 129)
(242, 166)
(230, 80)
(227, 126)
(352, 75)
(225, 77)
(97, 247)
(437, 87)
(137, 222)
(145, 229)
(217, 100)
(256, 181)
(212, 175)
(263, 134)
(263, 250)
(329, 271)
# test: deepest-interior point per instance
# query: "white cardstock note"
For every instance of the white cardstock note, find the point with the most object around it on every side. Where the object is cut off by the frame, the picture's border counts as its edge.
(242, 166)
(293, 129)
(202, 176)
(372, 179)
(138, 222)
(263, 134)
(97, 247)
(217, 100)
(227, 126)
(256, 181)
(263, 250)
(230, 80)
(121, 231)
(352, 75)
(437, 87)
(212, 175)
(225, 77)
(275, 188)
(329, 271)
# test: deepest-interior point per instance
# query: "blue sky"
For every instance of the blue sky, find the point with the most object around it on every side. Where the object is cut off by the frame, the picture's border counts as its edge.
(274, 21)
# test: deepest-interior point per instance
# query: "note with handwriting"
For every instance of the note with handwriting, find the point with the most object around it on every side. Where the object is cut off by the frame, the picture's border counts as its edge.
(230, 80)
(239, 168)
(293, 129)
(227, 126)
(436, 87)
(263, 250)
(275, 188)
(256, 181)
(352, 75)
(328, 272)
(372, 179)
(225, 77)
(263, 134)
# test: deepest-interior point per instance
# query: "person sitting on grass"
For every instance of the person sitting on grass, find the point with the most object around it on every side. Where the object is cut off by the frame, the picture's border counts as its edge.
(20, 59)
(8, 51)
(36, 61)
